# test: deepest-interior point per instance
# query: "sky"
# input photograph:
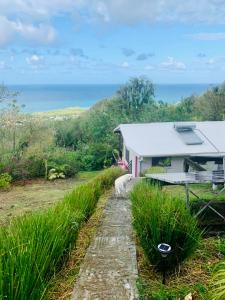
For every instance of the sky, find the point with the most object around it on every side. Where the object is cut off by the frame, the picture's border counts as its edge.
(109, 41)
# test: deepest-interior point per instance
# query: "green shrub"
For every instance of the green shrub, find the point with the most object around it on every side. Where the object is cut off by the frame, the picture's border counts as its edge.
(96, 156)
(218, 282)
(65, 161)
(5, 180)
(33, 166)
(34, 247)
(25, 168)
(54, 174)
(159, 218)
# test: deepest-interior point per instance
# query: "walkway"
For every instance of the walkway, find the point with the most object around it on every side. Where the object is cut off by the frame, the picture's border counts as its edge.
(109, 270)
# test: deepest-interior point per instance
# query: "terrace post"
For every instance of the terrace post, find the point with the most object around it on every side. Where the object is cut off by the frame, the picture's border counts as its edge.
(224, 170)
(187, 195)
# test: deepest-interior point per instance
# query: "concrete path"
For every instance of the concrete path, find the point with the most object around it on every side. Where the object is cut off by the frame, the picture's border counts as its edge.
(109, 270)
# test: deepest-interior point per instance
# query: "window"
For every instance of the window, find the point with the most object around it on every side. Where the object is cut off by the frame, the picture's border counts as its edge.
(127, 155)
(161, 161)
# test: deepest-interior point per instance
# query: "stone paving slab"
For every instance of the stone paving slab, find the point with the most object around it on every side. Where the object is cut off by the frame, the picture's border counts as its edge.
(109, 270)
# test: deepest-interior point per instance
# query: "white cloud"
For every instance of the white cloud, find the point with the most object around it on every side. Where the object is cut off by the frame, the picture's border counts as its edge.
(208, 36)
(172, 64)
(37, 9)
(149, 67)
(125, 65)
(133, 11)
(122, 11)
(3, 65)
(211, 61)
(43, 34)
(37, 15)
(6, 30)
(35, 60)
(102, 11)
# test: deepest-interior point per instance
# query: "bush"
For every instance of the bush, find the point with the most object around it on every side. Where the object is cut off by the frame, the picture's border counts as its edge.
(21, 169)
(5, 180)
(218, 282)
(34, 247)
(159, 218)
(54, 174)
(64, 161)
(95, 157)
(33, 166)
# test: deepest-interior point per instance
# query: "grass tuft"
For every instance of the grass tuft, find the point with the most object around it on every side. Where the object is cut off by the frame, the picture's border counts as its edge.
(34, 247)
(161, 218)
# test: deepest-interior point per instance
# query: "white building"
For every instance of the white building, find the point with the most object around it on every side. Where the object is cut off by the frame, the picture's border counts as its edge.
(178, 146)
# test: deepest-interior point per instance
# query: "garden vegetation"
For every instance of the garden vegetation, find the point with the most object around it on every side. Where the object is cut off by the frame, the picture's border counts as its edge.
(31, 145)
(35, 246)
(162, 218)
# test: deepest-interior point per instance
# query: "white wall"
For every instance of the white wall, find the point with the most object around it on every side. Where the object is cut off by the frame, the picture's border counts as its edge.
(132, 157)
(177, 165)
(124, 152)
(145, 164)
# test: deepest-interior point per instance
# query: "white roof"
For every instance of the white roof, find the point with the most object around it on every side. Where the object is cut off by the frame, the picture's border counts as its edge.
(161, 139)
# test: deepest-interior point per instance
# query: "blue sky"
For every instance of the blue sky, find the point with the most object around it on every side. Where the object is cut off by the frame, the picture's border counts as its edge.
(109, 41)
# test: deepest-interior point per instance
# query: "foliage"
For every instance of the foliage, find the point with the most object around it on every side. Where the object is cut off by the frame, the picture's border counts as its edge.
(218, 282)
(5, 180)
(24, 138)
(68, 133)
(137, 92)
(65, 161)
(34, 247)
(161, 218)
(218, 279)
(96, 156)
(54, 174)
(211, 105)
(163, 292)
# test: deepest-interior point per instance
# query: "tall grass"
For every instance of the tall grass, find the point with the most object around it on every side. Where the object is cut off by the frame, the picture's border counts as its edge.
(160, 218)
(218, 278)
(34, 247)
(218, 282)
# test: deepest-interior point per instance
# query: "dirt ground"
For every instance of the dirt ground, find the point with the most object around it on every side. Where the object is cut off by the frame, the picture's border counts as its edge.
(36, 194)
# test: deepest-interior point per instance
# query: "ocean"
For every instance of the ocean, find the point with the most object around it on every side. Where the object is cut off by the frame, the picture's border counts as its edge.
(50, 97)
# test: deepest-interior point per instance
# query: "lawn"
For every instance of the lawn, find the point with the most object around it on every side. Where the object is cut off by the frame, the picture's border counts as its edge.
(37, 194)
(61, 113)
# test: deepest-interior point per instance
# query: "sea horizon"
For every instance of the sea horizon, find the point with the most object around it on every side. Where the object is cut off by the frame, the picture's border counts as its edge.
(47, 97)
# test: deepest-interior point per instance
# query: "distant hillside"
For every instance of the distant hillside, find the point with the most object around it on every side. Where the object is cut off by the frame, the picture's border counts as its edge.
(69, 112)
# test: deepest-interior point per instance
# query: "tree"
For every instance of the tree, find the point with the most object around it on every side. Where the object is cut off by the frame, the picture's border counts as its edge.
(211, 105)
(11, 118)
(136, 93)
